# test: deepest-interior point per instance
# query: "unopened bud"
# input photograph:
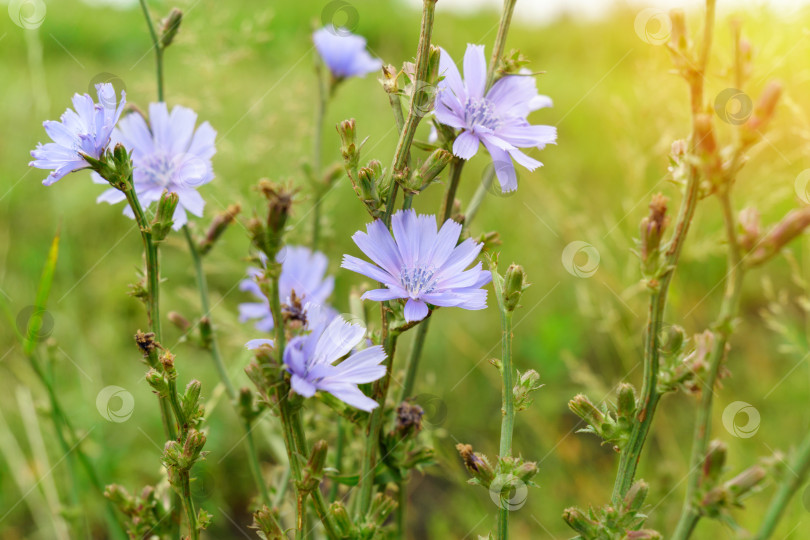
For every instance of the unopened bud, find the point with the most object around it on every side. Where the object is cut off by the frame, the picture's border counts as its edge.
(179, 321)
(704, 133)
(343, 521)
(389, 79)
(218, 226)
(367, 179)
(671, 339)
(192, 448)
(764, 111)
(164, 217)
(750, 228)
(514, 283)
(582, 407)
(634, 499)
(746, 481)
(791, 226)
(526, 383)
(381, 507)
(526, 471)
(578, 521)
(652, 230)
(191, 399)
(313, 472)
(477, 464)
(714, 463)
(431, 168)
(169, 27)
(626, 402)
(266, 521)
(167, 361)
(348, 138)
(643, 534)
(157, 382)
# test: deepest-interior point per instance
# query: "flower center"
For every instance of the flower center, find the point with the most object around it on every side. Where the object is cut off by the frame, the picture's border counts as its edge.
(479, 112)
(158, 169)
(417, 281)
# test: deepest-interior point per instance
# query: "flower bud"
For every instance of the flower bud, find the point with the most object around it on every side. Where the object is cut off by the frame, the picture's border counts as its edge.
(220, 222)
(169, 27)
(750, 228)
(431, 168)
(671, 339)
(179, 321)
(342, 520)
(367, 181)
(266, 521)
(122, 162)
(190, 400)
(791, 226)
(714, 462)
(381, 507)
(167, 361)
(389, 79)
(526, 383)
(245, 404)
(164, 217)
(157, 382)
(763, 112)
(192, 448)
(582, 407)
(172, 453)
(626, 403)
(652, 229)
(514, 283)
(348, 138)
(526, 471)
(577, 520)
(634, 499)
(678, 37)
(704, 133)
(477, 465)
(313, 472)
(643, 534)
(746, 481)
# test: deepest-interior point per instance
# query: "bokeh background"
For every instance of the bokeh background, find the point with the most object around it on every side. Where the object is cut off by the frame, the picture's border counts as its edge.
(247, 67)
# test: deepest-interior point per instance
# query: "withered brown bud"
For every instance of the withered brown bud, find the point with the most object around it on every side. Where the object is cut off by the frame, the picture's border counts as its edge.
(409, 419)
(220, 222)
(145, 342)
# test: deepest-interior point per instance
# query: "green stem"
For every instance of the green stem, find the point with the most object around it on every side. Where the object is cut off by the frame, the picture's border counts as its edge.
(158, 49)
(456, 167)
(339, 447)
(320, 114)
(413, 360)
(500, 40)
(508, 403)
(213, 349)
(471, 209)
(188, 503)
(722, 330)
(800, 464)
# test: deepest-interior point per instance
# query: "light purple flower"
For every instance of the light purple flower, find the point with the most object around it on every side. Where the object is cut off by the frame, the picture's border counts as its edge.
(344, 53)
(310, 360)
(497, 119)
(87, 129)
(302, 271)
(420, 264)
(171, 155)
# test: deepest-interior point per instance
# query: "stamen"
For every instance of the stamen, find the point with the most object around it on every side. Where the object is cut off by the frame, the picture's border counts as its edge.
(417, 281)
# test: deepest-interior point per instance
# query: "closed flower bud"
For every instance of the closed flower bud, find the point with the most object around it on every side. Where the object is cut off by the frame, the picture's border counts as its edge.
(118, 495)
(157, 382)
(348, 139)
(678, 37)
(164, 217)
(514, 283)
(704, 133)
(122, 162)
(791, 226)
(582, 407)
(167, 361)
(179, 321)
(526, 383)
(634, 499)
(643, 534)
(192, 448)
(750, 228)
(577, 520)
(367, 181)
(763, 112)
(746, 481)
(626, 403)
(526, 471)
(245, 404)
(477, 465)
(714, 463)
(389, 79)
(191, 399)
(671, 339)
(266, 521)
(381, 507)
(313, 472)
(279, 203)
(218, 226)
(431, 168)
(172, 453)
(342, 520)
(169, 27)
(652, 230)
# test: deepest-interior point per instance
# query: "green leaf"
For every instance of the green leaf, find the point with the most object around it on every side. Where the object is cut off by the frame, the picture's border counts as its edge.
(45, 282)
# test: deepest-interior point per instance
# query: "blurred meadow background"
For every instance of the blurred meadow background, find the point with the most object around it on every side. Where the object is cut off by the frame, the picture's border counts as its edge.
(248, 68)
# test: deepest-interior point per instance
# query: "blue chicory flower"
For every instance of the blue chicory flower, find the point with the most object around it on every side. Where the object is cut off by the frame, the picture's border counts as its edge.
(311, 361)
(302, 271)
(497, 120)
(167, 154)
(420, 264)
(344, 53)
(85, 130)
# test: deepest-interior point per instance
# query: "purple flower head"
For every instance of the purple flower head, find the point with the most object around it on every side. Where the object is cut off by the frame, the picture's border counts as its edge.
(302, 271)
(344, 53)
(87, 130)
(420, 264)
(497, 119)
(172, 155)
(310, 360)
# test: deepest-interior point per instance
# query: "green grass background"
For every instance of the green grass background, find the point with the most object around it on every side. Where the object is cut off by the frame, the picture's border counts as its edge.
(247, 67)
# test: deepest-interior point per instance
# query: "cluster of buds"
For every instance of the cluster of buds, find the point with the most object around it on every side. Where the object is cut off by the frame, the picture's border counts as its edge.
(366, 181)
(218, 226)
(685, 369)
(527, 383)
(611, 522)
(266, 521)
(652, 231)
(372, 524)
(483, 474)
(427, 173)
(114, 166)
(716, 498)
(512, 63)
(267, 234)
(611, 422)
(179, 458)
(145, 513)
